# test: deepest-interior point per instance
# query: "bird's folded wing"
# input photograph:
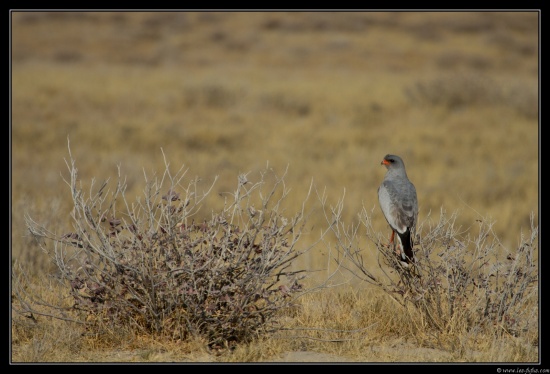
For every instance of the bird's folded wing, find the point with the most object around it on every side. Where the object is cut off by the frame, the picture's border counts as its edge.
(399, 205)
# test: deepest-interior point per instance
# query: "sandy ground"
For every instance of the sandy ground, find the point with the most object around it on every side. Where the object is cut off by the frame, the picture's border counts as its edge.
(402, 353)
(399, 353)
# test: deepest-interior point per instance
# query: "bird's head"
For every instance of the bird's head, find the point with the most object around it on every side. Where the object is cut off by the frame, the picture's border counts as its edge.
(390, 160)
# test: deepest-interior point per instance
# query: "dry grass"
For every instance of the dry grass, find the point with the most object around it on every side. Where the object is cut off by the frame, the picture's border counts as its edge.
(326, 94)
(351, 324)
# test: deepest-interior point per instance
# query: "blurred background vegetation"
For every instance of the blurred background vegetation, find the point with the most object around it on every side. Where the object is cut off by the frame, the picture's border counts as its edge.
(327, 94)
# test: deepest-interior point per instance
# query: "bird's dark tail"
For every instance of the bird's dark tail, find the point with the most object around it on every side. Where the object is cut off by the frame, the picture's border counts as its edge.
(407, 254)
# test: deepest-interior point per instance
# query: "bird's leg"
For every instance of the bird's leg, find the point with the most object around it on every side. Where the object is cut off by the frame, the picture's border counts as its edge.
(391, 238)
(395, 244)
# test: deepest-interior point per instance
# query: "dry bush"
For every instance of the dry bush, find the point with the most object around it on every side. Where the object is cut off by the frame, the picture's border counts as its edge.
(150, 266)
(456, 91)
(460, 91)
(460, 281)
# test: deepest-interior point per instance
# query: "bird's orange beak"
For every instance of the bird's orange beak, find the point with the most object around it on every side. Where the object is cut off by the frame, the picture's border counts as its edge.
(385, 162)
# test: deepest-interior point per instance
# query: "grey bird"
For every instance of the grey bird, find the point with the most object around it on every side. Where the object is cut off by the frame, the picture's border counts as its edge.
(398, 201)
